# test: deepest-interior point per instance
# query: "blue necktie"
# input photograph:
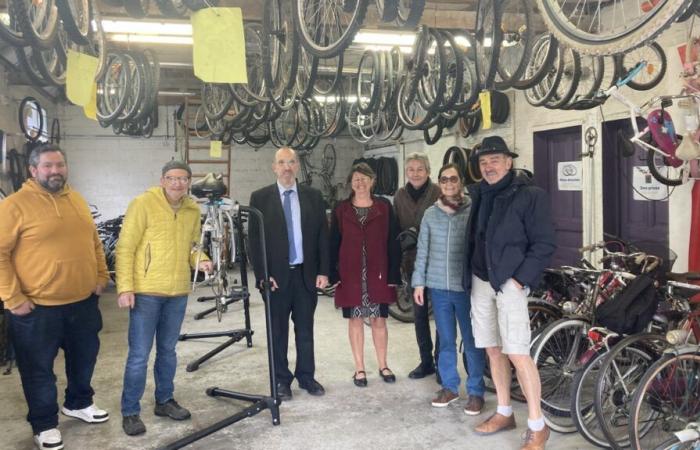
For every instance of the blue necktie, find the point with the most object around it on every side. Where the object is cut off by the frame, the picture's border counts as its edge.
(287, 205)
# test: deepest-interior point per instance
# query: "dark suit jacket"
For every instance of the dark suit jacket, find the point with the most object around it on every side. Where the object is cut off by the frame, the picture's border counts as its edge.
(314, 231)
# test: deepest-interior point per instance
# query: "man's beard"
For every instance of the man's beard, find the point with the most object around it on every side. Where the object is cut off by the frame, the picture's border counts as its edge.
(53, 184)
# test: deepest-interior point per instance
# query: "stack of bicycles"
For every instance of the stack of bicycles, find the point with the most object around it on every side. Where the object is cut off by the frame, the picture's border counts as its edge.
(632, 384)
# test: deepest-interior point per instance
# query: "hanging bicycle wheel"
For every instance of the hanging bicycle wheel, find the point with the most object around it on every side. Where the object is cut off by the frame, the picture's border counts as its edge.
(652, 74)
(607, 27)
(326, 27)
(516, 45)
(664, 172)
(488, 41)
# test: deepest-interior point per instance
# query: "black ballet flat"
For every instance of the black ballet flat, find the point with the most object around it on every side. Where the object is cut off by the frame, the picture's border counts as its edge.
(387, 378)
(360, 382)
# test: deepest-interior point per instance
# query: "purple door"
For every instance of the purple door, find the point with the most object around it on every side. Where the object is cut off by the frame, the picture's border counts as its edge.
(550, 148)
(639, 221)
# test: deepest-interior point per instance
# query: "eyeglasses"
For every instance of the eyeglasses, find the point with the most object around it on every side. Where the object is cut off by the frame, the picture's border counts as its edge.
(172, 180)
(452, 179)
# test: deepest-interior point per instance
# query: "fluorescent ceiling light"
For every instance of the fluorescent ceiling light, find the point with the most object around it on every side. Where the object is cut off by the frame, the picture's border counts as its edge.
(388, 47)
(383, 38)
(141, 27)
(150, 39)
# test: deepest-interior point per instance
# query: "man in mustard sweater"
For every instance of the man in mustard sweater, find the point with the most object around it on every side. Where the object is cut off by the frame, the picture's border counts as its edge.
(157, 247)
(52, 270)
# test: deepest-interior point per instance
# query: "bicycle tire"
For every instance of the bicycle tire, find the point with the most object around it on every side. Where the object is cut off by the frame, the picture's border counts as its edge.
(376, 77)
(54, 73)
(454, 73)
(582, 405)
(409, 13)
(592, 72)
(388, 9)
(329, 46)
(27, 133)
(216, 110)
(544, 50)
(439, 127)
(571, 74)
(540, 93)
(137, 9)
(654, 71)
(516, 44)
(11, 33)
(555, 408)
(673, 443)
(612, 394)
(664, 388)
(76, 16)
(664, 173)
(645, 30)
(488, 16)
(172, 8)
(109, 114)
(40, 37)
(280, 52)
(432, 71)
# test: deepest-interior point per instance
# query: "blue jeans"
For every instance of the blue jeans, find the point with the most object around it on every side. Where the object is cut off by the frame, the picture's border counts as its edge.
(159, 317)
(449, 308)
(37, 337)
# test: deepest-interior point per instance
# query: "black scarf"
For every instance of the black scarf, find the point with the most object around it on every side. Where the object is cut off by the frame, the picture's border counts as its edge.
(488, 194)
(416, 194)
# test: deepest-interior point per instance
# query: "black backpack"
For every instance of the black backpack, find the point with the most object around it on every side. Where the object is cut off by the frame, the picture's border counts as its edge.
(631, 310)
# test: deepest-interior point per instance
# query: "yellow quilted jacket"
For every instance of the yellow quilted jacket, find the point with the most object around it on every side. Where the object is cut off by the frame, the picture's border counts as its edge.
(157, 247)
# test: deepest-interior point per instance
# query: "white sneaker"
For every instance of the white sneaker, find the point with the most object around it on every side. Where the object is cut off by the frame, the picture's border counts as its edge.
(49, 440)
(91, 414)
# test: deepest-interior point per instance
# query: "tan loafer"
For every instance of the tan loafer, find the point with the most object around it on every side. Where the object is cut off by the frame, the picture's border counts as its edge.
(535, 440)
(495, 423)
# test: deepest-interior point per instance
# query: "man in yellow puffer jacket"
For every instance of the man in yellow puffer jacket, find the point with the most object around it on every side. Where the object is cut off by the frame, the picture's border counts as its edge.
(52, 270)
(157, 248)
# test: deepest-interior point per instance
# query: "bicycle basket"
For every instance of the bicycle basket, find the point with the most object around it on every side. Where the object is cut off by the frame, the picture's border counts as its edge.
(660, 249)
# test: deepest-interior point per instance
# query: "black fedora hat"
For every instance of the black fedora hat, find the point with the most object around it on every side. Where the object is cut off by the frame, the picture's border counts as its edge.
(492, 145)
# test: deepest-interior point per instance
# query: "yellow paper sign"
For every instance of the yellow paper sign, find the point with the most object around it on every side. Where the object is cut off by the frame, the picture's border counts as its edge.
(80, 76)
(218, 50)
(215, 149)
(485, 101)
(90, 108)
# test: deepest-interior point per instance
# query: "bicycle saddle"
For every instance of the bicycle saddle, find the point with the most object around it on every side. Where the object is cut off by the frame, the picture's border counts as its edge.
(211, 186)
(664, 134)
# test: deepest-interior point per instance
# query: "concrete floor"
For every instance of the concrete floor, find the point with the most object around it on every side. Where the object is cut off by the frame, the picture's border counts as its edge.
(379, 416)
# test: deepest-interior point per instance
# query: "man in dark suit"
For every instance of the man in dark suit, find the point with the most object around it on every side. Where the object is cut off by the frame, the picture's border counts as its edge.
(296, 238)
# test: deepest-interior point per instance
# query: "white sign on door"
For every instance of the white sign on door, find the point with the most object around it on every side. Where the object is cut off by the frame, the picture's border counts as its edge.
(646, 187)
(569, 176)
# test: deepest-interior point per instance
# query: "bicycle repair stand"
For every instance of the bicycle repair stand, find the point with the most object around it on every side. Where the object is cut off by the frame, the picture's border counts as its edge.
(238, 294)
(260, 402)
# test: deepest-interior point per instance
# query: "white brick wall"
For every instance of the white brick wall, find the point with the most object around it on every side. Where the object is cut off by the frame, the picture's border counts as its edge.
(110, 170)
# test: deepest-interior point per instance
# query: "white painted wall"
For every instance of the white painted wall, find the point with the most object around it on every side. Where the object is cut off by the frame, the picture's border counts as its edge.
(111, 170)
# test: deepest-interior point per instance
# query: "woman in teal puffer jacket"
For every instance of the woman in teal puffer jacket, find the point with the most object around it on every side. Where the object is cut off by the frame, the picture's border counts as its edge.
(439, 267)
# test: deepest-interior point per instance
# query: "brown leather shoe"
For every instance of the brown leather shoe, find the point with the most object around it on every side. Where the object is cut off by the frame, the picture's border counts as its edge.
(474, 405)
(494, 424)
(535, 440)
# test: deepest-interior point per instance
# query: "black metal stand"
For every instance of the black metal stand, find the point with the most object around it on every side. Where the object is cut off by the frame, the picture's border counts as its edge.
(237, 294)
(260, 402)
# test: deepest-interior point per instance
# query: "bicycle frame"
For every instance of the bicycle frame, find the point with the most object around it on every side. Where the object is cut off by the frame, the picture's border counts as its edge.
(672, 157)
